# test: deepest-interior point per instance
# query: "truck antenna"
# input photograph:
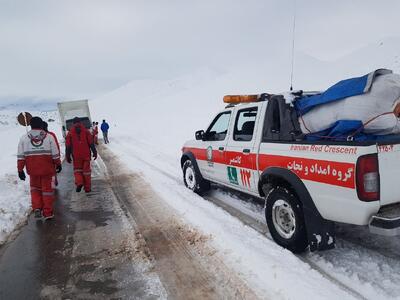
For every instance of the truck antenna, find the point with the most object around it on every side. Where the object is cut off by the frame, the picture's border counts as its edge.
(293, 45)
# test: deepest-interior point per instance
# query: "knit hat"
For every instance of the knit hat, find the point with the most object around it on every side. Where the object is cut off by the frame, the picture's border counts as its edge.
(45, 126)
(36, 123)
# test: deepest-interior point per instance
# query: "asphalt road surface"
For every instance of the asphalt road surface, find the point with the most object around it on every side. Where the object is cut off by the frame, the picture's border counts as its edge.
(121, 241)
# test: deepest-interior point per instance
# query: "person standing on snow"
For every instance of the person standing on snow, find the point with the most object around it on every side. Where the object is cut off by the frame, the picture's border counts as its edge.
(38, 153)
(104, 128)
(95, 132)
(45, 127)
(79, 146)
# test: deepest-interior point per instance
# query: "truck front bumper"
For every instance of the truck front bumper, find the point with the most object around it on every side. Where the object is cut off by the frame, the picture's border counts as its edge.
(387, 221)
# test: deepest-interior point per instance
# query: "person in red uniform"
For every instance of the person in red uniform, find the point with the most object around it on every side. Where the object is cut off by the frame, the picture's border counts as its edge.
(79, 146)
(46, 128)
(38, 153)
(95, 132)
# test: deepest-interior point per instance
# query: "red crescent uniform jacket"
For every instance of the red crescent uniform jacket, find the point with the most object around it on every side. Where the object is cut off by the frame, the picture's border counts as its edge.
(78, 142)
(55, 138)
(38, 152)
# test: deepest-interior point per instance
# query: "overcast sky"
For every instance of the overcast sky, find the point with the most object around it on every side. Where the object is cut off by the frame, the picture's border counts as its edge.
(82, 49)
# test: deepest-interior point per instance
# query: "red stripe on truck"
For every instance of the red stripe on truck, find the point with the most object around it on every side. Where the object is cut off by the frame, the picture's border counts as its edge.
(201, 154)
(241, 160)
(323, 171)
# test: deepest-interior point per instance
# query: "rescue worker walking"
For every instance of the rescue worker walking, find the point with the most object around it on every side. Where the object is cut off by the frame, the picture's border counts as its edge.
(45, 127)
(79, 146)
(95, 132)
(38, 153)
(104, 128)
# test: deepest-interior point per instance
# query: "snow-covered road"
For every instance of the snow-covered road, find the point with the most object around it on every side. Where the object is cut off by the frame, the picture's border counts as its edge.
(362, 265)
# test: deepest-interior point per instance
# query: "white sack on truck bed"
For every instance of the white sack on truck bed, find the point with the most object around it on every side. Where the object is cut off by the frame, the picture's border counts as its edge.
(382, 97)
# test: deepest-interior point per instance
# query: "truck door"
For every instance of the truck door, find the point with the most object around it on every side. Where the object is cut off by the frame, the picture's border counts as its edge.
(215, 140)
(241, 155)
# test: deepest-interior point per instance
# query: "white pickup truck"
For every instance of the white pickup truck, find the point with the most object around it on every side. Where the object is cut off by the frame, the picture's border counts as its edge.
(256, 148)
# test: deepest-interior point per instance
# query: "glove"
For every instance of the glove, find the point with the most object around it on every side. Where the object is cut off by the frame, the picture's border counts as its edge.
(58, 169)
(94, 155)
(21, 175)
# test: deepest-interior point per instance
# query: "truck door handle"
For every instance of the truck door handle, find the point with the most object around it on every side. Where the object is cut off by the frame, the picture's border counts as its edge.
(247, 151)
(221, 148)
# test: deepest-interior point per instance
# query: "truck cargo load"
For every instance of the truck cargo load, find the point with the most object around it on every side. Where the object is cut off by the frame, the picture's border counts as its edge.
(68, 110)
(365, 106)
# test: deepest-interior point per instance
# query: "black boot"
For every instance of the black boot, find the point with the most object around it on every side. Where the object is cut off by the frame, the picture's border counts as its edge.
(79, 188)
(38, 213)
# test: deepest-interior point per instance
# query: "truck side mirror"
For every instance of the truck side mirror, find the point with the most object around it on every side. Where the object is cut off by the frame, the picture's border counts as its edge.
(199, 134)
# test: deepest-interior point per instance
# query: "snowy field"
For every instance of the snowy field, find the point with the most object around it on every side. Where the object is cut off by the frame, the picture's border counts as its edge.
(14, 194)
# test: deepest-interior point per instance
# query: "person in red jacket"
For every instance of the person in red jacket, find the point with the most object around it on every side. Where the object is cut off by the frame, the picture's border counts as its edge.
(79, 145)
(38, 153)
(45, 127)
(95, 132)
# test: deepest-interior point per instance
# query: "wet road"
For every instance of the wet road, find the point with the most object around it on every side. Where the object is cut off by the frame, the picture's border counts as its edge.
(32, 258)
(121, 241)
(89, 251)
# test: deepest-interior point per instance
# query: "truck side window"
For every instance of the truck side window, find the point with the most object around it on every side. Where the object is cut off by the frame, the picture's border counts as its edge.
(219, 127)
(244, 126)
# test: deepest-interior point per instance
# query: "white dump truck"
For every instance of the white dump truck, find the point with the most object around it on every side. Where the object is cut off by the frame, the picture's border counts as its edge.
(68, 110)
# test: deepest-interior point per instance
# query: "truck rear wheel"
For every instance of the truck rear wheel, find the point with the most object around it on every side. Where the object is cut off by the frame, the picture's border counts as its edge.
(193, 180)
(285, 220)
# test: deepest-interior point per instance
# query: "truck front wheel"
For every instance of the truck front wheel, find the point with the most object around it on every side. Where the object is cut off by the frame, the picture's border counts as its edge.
(193, 180)
(285, 220)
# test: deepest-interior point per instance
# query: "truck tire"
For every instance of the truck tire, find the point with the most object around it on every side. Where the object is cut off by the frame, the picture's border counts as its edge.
(285, 220)
(193, 180)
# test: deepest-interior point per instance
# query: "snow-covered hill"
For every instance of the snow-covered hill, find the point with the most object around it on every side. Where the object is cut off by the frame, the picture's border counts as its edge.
(166, 113)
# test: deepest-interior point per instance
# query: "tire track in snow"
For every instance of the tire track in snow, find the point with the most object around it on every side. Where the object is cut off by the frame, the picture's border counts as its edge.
(185, 273)
(342, 267)
(257, 225)
(263, 229)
